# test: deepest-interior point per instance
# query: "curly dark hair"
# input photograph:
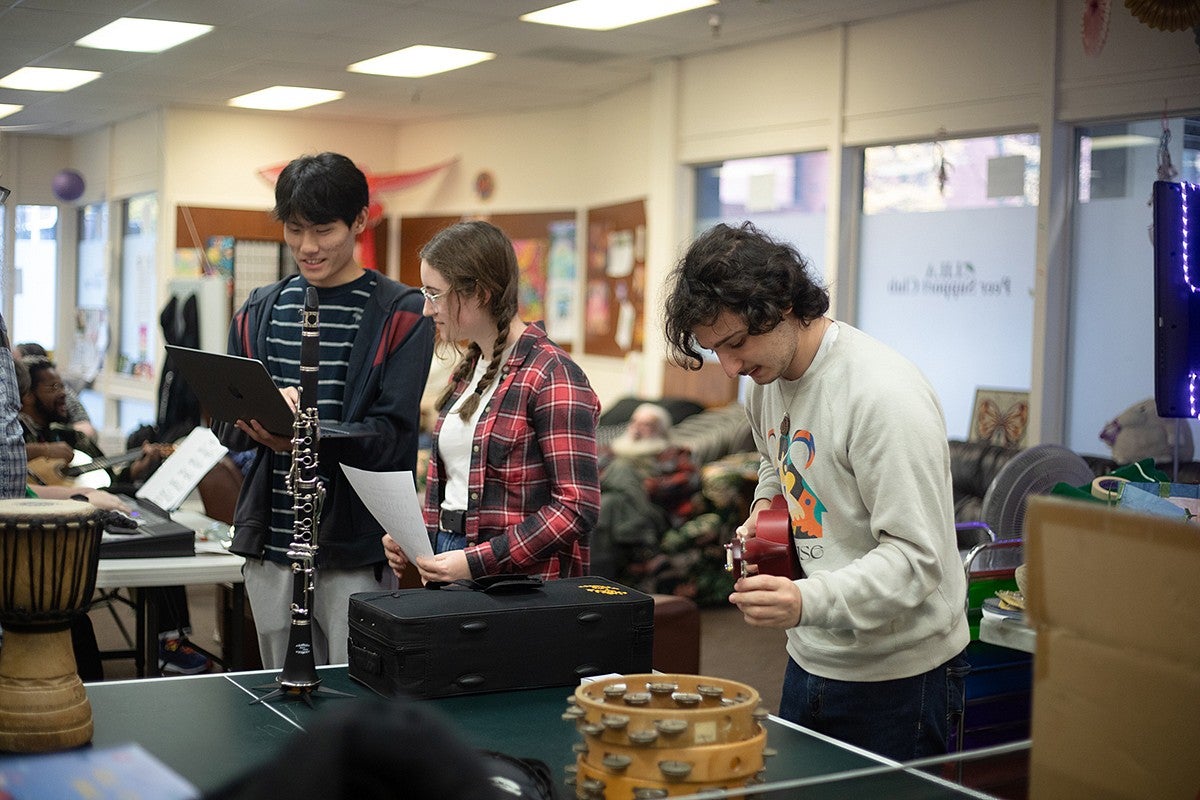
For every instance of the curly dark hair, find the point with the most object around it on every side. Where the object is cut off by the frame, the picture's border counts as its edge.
(741, 270)
(321, 189)
(34, 367)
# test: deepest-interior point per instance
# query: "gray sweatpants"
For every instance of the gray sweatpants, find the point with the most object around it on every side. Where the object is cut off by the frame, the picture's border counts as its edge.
(269, 588)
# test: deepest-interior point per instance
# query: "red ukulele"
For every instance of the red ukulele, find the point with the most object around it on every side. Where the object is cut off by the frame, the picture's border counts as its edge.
(771, 549)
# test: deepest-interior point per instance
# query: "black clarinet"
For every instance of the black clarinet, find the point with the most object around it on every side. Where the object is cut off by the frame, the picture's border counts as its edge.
(299, 676)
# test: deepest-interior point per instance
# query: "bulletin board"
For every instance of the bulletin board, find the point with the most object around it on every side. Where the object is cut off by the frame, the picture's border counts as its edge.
(616, 279)
(546, 256)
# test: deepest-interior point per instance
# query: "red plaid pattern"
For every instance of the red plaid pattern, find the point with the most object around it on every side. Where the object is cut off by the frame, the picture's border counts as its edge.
(533, 481)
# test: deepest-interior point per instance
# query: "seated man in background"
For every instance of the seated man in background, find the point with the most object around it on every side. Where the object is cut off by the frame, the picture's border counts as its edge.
(646, 487)
(77, 415)
(49, 434)
(48, 437)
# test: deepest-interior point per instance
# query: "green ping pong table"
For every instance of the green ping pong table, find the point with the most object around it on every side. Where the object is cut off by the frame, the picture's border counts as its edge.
(228, 734)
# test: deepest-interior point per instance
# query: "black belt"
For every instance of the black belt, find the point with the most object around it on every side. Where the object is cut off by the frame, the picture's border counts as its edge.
(453, 521)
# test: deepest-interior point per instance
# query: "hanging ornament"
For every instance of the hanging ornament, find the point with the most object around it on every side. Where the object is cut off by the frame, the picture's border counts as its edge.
(68, 185)
(1166, 169)
(941, 167)
(1166, 15)
(1095, 25)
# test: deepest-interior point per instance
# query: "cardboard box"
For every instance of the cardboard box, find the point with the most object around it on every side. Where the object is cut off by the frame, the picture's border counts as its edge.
(1113, 596)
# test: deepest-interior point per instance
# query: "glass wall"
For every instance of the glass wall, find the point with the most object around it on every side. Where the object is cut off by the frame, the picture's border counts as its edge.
(138, 345)
(35, 276)
(1112, 325)
(947, 264)
(91, 308)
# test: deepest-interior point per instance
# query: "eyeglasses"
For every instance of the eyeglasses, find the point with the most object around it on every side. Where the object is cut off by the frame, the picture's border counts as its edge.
(434, 297)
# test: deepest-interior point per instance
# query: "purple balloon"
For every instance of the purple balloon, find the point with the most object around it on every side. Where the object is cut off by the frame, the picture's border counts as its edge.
(68, 185)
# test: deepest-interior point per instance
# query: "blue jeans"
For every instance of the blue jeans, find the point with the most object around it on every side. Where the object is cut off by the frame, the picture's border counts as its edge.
(899, 719)
(447, 541)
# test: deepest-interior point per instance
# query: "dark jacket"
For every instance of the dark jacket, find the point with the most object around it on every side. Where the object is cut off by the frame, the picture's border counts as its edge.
(388, 368)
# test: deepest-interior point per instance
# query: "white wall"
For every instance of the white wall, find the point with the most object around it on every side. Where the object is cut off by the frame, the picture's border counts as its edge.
(965, 68)
(779, 97)
(534, 158)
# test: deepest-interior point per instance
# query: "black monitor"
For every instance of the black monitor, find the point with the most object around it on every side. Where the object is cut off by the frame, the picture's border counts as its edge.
(1177, 299)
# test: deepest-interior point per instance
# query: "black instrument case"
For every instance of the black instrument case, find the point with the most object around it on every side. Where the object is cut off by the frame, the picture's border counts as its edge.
(500, 633)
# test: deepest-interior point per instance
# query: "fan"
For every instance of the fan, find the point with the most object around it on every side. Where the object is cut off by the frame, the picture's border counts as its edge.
(1034, 470)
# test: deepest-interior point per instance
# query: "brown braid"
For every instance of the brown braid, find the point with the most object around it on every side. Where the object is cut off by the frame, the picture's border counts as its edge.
(461, 370)
(489, 375)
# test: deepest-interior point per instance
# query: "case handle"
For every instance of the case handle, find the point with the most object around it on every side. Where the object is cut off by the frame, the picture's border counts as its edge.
(492, 584)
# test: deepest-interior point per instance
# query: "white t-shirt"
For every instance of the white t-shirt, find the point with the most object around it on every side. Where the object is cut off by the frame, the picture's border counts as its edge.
(456, 437)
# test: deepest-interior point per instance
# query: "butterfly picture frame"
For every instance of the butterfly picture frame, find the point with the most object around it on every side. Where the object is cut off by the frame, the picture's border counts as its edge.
(1000, 416)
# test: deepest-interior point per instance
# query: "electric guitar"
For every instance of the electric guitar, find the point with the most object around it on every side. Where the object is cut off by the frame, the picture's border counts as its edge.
(85, 471)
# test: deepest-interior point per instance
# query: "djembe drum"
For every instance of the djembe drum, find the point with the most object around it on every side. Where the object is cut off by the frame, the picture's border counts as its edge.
(49, 551)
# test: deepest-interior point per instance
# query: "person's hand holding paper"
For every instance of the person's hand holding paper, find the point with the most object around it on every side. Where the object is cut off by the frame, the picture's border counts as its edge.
(391, 497)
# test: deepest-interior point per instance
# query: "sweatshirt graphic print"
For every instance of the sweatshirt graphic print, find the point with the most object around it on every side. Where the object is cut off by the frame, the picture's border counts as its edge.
(795, 453)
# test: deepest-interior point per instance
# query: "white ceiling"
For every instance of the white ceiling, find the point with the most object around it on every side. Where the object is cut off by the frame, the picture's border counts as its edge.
(259, 43)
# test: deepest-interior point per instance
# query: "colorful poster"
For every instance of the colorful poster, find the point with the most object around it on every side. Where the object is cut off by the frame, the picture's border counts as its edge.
(531, 289)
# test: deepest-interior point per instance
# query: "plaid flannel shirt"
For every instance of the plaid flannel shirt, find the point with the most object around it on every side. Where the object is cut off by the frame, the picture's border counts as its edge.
(533, 485)
(12, 437)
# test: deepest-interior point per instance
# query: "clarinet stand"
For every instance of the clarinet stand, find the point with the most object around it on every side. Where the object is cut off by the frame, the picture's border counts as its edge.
(299, 679)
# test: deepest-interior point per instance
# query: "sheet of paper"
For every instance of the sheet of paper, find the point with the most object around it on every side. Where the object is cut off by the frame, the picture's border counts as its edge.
(181, 472)
(391, 497)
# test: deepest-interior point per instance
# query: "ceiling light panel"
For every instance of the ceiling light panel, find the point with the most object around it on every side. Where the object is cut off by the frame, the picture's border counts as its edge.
(47, 79)
(135, 35)
(8, 109)
(606, 15)
(420, 60)
(285, 98)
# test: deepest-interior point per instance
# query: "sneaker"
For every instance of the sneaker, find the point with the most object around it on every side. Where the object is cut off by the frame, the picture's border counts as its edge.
(175, 656)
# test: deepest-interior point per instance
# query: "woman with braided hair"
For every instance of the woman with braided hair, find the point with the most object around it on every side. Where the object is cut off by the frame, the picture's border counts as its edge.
(512, 485)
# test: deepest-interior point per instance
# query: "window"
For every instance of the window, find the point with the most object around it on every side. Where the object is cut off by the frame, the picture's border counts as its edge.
(946, 262)
(783, 195)
(1110, 355)
(138, 348)
(35, 276)
(91, 303)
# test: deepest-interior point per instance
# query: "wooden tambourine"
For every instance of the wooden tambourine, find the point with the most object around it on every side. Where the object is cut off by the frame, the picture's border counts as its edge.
(665, 735)
(771, 549)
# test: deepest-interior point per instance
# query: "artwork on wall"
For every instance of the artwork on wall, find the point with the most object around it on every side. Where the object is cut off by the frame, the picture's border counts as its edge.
(1000, 416)
(616, 275)
(561, 286)
(531, 261)
(545, 247)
